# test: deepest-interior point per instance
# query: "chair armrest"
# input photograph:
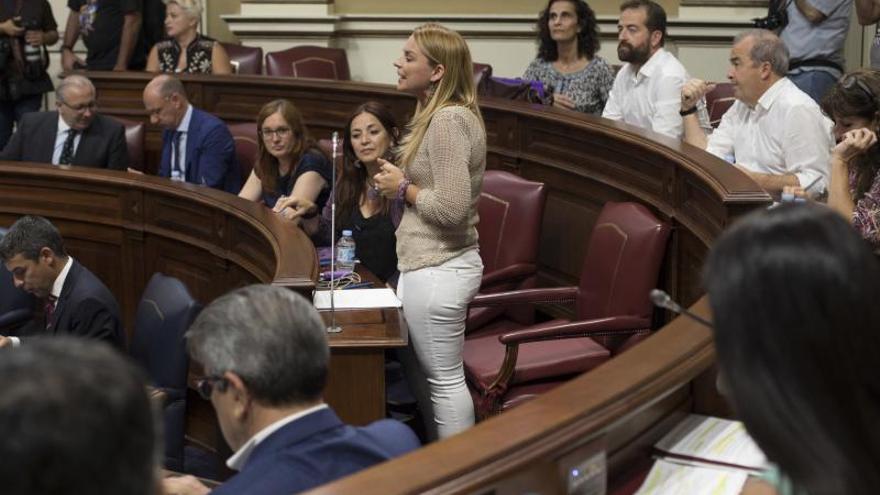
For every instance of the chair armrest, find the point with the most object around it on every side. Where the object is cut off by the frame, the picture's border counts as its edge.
(519, 270)
(526, 296)
(601, 327)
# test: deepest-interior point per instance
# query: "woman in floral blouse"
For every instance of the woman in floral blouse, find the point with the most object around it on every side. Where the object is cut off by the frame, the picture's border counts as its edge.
(567, 64)
(854, 190)
(186, 50)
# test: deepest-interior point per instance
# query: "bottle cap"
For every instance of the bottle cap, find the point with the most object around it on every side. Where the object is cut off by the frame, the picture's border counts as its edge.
(346, 233)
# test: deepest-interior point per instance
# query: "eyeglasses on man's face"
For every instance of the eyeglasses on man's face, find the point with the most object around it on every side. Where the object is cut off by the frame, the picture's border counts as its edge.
(82, 107)
(206, 385)
(269, 133)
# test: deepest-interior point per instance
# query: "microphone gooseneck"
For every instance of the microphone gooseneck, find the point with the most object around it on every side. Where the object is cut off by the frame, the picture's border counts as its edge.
(662, 300)
(333, 328)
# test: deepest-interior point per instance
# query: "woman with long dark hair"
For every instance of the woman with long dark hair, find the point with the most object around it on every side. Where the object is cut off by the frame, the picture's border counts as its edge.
(794, 292)
(568, 40)
(854, 189)
(289, 163)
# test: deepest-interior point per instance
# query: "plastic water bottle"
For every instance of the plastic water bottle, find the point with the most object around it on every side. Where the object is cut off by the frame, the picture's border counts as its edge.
(345, 249)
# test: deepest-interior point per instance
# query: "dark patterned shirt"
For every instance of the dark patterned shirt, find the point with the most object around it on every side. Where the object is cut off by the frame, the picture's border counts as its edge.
(588, 88)
(198, 55)
(866, 214)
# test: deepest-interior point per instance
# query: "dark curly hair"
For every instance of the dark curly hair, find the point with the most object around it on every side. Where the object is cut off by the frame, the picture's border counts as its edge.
(588, 37)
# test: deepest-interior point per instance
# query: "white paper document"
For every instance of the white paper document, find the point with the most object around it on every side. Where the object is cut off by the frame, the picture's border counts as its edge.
(714, 440)
(667, 478)
(358, 299)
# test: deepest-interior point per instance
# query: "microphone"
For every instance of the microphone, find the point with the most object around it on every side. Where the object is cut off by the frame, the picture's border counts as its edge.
(333, 328)
(662, 300)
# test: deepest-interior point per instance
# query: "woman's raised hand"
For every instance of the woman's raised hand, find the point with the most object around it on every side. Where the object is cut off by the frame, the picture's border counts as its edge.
(854, 143)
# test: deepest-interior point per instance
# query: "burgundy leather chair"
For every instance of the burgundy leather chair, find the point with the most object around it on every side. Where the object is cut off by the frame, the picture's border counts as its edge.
(612, 313)
(481, 71)
(134, 140)
(511, 210)
(309, 61)
(326, 146)
(245, 136)
(245, 59)
(718, 101)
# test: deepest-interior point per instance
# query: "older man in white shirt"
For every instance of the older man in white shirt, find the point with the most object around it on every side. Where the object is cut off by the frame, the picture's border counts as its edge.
(647, 89)
(774, 132)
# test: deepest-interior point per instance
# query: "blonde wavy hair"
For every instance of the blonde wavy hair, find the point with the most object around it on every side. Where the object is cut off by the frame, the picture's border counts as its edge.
(442, 46)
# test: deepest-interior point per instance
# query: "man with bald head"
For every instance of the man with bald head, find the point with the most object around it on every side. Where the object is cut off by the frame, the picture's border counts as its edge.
(774, 132)
(74, 134)
(196, 146)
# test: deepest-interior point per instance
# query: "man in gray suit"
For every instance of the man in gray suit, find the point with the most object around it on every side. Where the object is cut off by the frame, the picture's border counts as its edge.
(75, 134)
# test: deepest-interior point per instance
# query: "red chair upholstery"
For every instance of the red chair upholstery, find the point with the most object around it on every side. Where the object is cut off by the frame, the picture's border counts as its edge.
(245, 59)
(134, 140)
(245, 136)
(718, 101)
(309, 61)
(326, 146)
(481, 71)
(612, 309)
(511, 210)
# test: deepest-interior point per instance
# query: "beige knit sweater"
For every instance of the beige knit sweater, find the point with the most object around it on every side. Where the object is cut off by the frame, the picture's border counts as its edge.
(448, 169)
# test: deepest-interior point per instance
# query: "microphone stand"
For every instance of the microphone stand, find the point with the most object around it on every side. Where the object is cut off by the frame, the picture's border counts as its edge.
(333, 328)
(662, 300)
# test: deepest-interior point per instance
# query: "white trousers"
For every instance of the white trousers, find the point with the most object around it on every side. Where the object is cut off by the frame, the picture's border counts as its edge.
(435, 302)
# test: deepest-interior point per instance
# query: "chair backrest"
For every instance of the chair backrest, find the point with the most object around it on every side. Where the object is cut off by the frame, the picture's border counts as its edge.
(718, 101)
(244, 134)
(481, 71)
(164, 314)
(326, 146)
(622, 263)
(511, 210)
(309, 61)
(134, 140)
(245, 59)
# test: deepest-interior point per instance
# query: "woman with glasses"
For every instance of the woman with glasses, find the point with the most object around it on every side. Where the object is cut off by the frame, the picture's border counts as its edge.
(854, 189)
(185, 50)
(370, 133)
(568, 39)
(794, 292)
(289, 163)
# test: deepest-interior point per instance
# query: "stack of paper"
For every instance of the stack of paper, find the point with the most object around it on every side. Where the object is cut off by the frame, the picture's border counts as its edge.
(358, 299)
(669, 477)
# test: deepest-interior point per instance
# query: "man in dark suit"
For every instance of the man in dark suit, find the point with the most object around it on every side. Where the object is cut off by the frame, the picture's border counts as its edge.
(264, 351)
(76, 302)
(75, 134)
(196, 146)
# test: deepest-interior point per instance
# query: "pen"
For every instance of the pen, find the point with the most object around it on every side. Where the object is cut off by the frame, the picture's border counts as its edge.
(811, 184)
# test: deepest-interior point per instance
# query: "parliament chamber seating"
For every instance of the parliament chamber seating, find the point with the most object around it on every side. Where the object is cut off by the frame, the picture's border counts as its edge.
(245, 59)
(513, 363)
(165, 312)
(134, 140)
(719, 101)
(604, 421)
(245, 136)
(309, 61)
(481, 71)
(511, 210)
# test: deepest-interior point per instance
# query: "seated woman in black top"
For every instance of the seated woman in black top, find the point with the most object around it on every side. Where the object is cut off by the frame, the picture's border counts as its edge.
(288, 162)
(371, 133)
(186, 50)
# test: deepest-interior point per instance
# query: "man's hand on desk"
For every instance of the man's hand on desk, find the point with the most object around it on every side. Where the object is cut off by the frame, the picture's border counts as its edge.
(184, 485)
(5, 342)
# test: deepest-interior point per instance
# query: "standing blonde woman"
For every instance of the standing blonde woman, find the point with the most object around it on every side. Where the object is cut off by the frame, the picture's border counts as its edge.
(442, 160)
(185, 50)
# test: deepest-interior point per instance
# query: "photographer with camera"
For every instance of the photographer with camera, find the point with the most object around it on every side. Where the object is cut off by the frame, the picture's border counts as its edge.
(26, 28)
(814, 32)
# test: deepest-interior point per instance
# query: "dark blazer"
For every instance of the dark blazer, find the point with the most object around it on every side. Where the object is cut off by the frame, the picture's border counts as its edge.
(314, 450)
(85, 308)
(102, 145)
(210, 153)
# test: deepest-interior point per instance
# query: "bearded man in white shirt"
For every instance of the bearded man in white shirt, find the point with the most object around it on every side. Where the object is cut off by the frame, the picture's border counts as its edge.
(647, 89)
(775, 132)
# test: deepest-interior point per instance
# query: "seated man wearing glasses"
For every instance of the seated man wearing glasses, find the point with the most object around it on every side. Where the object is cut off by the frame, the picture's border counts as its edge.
(75, 134)
(196, 146)
(264, 351)
(774, 132)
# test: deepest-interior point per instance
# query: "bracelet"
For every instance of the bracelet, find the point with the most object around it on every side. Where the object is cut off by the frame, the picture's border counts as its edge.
(689, 111)
(401, 189)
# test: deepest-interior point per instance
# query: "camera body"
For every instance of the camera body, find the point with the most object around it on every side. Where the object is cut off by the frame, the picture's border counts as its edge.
(774, 21)
(34, 62)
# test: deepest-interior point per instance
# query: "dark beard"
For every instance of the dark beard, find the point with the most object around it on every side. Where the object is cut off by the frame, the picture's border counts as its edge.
(633, 55)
